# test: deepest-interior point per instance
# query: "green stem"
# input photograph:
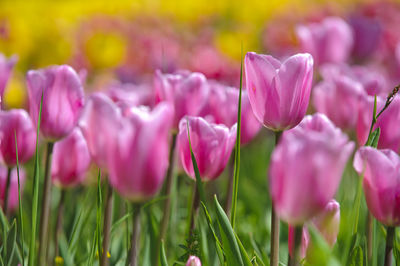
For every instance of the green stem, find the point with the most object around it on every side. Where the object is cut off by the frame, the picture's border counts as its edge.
(298, 233)
(132, 256)
(45, 213)
(389, 245)
(59, 222)
(370, 230)
(194, 209)
(107, 225)
(6, 197)
(229, 190)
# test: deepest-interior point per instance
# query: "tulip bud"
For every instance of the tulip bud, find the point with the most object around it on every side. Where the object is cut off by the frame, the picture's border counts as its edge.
(16, 121)
(13, 191)
(63, 99)
(279, 92)
(311, 156)
(138, 157)
(193, 261)
(6, 66)
(70, 160)
(187, 92)
(212, 146)
(381, 182)
(329, 41)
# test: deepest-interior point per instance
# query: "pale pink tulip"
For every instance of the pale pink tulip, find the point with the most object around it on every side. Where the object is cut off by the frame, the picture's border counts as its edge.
(6, 67)
(193, 261)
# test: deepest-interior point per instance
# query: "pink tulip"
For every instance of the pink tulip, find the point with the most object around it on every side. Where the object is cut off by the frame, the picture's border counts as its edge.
(338, 98)
(130, 95)
(212, 146)
(16, 121)
(138, 160)
(327, 223)
(193, 261)
(187, 92)
(6, 66)
(388, 122)
(279, 92)
(63, 99)
(329, 41)
(221, 95)
(367, 34)
(100, 121)
(312, 157)
(13, 191)
(380, 169)
(71, 160)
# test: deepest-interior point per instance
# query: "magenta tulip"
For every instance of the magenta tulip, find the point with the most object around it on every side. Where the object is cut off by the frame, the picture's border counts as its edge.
(367, 34)
(6, 67)
(329, 41)
(312, 157)
(212, 146)
(388, 122)
(380, 169)
(138, 159)
(187, 92)
(100, 121)
(13, 191)
(16, 121)
(71, 160)
(221, 95)
(279, 92)
(63, 99)
(193, 261)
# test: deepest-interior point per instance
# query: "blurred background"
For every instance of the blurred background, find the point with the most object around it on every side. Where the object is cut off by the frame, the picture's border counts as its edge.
(128, 40)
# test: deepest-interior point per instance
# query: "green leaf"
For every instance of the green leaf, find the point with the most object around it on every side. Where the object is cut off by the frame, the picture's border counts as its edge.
(163, 257)
(356, 256)
(396, 251)
(229, 243)
(237, 148)
(375, 137)
(21, 224)
(11, 243)
(99, 215)
(35, 193)
(245, 257)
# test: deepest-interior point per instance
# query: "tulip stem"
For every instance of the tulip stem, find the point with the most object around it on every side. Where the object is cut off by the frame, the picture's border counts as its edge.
(370, 228)
(274, 259)
(132, 256)
(298, 232)
(193, 210)
(107, 225)
(59, 222)
(228, 200)
(389, 245)
(6, 197)
(45, 212)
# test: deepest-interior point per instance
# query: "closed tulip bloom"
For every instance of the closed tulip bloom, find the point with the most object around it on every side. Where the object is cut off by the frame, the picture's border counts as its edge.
(16, 121)
(279, 92)
(338, 98)
(212, 146)
(228, 97)
(193, 261)
(127, 95)
(367, 34)
(100, 121)
(329, 41)
(6, 67)
(381, 183)
(187, 92)
(312, 157)
(388, 122)
(71, 160)
(13, 192)
(138, 160)
(63, 99)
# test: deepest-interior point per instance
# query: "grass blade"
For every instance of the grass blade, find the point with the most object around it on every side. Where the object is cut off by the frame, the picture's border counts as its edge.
(21, 225)
(11, 243)
(163, 257)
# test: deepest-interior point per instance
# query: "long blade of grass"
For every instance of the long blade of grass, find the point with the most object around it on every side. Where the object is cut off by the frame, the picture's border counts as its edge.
(98, 215)
(35, 200)
(21, 226)
(237, 148)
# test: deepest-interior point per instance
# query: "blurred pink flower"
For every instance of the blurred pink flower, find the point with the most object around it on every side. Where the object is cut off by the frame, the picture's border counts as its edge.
(13, 192)
(70, 160)
(380, 169)
(212, 146)
(6, 66)
(63, 99)
(187, 92)
(138, 158)
(127, 95)
(367, 34)
(279, 92)
(16, 121)
(329, 41)
(193, 261)
(306, 168)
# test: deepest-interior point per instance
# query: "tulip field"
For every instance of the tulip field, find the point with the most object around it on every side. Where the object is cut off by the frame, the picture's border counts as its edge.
(161, 133)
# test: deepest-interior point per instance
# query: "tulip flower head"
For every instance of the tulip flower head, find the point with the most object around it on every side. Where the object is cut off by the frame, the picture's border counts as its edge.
(70, 160)
(193, 261)
(6, 66)
(187, 92)
(13, 192)
(212, 146)
(138, 158)
(63, 99)
(16, 121)
(279, 92)
(381, 182)
(311, 156)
